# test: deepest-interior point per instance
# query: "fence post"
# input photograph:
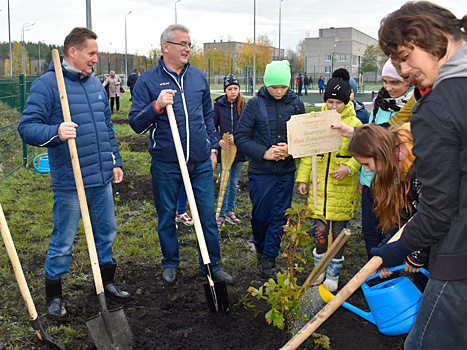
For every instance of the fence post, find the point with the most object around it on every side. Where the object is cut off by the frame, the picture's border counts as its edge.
(22, 93)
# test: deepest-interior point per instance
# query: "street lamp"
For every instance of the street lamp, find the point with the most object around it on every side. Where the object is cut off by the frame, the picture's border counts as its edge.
(23, 53)
(9, 40)
(126, 56)
(109, 56)
(333, 56)
(280, 15)
(213, 60)
(39, 59)
(176, 11)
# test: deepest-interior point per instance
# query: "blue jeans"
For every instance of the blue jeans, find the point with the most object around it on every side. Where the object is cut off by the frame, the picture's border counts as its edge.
(370, 221)
(166, 184)
(270, 196)
(181, 204)
(228, 203)
(440, 323)
(67, 214)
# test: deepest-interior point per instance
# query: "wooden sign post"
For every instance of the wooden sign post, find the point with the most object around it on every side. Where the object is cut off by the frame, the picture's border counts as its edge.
(311, 134)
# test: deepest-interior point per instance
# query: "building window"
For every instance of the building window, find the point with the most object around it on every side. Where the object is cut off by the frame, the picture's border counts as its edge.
(327, 69)
(342, 58)
(328, 58)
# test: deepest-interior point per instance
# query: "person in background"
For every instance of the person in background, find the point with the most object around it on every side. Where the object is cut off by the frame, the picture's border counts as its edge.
(131, 81)
(359, 107)
(227, 111)
(321, 84)
(306, 82)
(115, 83)
(174, 81)
(107, 87)
(430, 43)
(261, 135)
(42, 125)
(300, 84)
(337, 181)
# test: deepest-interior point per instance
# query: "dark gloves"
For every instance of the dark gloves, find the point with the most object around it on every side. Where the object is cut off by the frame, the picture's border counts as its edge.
(392, 253)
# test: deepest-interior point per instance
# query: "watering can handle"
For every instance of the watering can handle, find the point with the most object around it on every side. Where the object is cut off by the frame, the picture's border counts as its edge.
(34, 161)
(396, 268)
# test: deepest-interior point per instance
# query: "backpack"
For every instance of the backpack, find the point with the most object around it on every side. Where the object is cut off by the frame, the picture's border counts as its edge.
(264, 111)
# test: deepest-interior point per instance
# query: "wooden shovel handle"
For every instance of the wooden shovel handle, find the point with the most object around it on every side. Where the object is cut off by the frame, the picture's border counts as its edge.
(187, 182)
(327, 257)
(78, 178)
(337, 301)
(13, 255)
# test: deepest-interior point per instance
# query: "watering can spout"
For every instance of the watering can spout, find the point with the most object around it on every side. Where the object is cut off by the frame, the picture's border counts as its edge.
(326, 295)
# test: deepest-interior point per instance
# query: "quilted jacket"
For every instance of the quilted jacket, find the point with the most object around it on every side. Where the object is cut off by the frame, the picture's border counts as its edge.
(336, 199)
(95, 141)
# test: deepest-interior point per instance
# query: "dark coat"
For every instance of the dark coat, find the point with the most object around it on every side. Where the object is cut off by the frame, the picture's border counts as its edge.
(252, 137)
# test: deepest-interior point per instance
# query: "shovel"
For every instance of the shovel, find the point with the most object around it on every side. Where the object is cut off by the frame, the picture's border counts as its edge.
(227, 158)
(23, 287)
(337, 301)
(216, 292)
(109, 329)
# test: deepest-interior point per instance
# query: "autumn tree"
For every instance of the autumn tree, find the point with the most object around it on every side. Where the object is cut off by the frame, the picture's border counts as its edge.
(299, 61)
(17, 60)
(373, 58)
(263, 53)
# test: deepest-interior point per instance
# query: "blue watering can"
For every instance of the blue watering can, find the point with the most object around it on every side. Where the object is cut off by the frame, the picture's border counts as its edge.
(393, 303)
(43, 163)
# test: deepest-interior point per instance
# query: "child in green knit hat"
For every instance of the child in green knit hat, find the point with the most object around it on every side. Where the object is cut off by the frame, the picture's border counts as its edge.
(261, 135)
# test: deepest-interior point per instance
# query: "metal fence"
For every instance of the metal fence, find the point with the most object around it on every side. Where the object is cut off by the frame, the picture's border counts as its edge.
(14, 153)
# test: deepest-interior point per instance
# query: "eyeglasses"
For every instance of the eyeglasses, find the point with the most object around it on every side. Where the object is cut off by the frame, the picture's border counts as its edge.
(183, 45)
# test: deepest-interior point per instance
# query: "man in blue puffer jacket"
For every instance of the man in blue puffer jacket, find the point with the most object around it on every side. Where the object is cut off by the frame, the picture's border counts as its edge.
(42, 125)
(185, 87)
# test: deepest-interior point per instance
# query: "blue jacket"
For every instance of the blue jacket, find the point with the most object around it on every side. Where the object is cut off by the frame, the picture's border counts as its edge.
(252, 137)
(95, 139)
(226, 120)
(361, 111)
(192, 108)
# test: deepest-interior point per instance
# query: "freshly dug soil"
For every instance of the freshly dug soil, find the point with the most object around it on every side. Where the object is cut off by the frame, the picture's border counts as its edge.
(163, 316)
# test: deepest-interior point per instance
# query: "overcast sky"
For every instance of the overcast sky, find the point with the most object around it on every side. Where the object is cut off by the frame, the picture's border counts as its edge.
(208, 20)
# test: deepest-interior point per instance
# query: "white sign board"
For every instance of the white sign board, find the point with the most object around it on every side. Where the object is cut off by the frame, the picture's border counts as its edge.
(311, 133)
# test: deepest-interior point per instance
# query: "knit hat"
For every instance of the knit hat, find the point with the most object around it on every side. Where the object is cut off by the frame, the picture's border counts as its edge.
(230, 79)
(277, 73)
(353, 84)
(339, 89)
(390, 71)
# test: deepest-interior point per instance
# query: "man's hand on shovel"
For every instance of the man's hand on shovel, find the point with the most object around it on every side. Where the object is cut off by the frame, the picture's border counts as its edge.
(166, 97)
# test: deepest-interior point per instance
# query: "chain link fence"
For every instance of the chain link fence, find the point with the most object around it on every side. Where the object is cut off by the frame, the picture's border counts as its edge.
(14, 153)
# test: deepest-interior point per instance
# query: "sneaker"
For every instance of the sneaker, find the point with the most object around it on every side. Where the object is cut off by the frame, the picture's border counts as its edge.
(220, 223)
(184, 219)
(230, 217)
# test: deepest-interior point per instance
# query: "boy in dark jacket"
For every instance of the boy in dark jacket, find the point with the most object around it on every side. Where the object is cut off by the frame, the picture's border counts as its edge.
(262, 136)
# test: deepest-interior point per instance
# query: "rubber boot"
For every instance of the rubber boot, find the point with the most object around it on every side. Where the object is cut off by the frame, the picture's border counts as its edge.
(317, 258)
(332, 274)
(54, 300)
(108, 273)
(269, 268)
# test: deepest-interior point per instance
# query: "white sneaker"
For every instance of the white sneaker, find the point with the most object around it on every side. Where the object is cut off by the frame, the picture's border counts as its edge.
(184, 219)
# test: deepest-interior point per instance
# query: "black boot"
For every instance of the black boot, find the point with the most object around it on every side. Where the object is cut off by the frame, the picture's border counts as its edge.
(269, 268)
(108, 273)
(53, 299)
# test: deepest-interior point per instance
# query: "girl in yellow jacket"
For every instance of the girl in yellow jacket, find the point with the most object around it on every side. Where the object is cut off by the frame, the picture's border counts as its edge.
(337, 183)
